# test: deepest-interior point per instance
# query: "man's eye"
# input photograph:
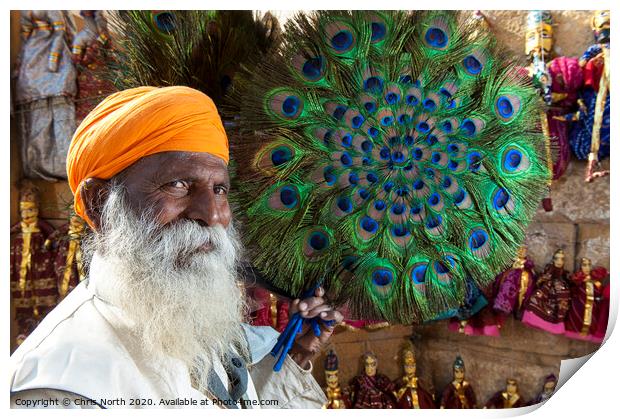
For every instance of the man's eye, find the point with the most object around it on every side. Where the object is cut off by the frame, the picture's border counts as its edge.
(178, 184)
(220, 190)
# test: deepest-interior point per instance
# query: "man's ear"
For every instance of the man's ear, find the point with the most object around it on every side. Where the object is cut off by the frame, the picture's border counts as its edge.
(94, 193)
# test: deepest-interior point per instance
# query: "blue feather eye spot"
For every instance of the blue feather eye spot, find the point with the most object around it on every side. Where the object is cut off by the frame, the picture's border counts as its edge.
(429, 173)
(432, 140)
(392, 98)
(353, 179)
(418, 274)
(451, 104)
(468, 127)
(384, 153)
(339, 112)
(446, 126)
(290, 105)
(370, 107)
(373, 85)
(452, 149)
(346, 160)
(372, 178)
(429, 105)
(378, 32)
(382, 277)
(344, 204)
(328, 137)
(412, 100)
(367, 146)
(472, 65)
(357, 121)
(405, 79)
(318, 240)
(373, 132)
(387, 121)
(434, 199)
(313, 68)
(404, 119)
(165, 22)
(417, 153)
(515, 160)
(289, 196)
(329, 176)
(342, 40)
(500, 199)
(281, 155)
(366, 161)
(394, 141)
(447, 182)
(416, 210)
(388, 186)
(409, 140)
(443, 267)
(380, 205)
(433, 221)
(398, 209)
(436, 38)
(369, 225)
(453, 165)
(398, 156)
(477, 239)
(445, 92)
(418, 185)
(459, 196)
(402, 191)
(364, 194)
(399, 231)
(475, 161)
(507, 107)
(347, 140)
(436, 157)
(423, 127)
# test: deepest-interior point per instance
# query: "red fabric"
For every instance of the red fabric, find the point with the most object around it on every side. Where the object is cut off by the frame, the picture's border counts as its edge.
(373, 392)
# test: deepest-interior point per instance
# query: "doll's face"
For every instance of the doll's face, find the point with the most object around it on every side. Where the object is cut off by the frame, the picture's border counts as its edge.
(410, 369)
(549, 387)
(601, 26)
(511, 388)
(586, 266)
(29, 214)
(459, 374)
(370, 366)
(539, 39)
(331, 378)
(558, 259)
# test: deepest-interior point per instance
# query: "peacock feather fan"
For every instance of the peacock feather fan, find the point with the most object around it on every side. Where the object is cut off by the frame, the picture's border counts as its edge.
(392, 156)
(197, 48)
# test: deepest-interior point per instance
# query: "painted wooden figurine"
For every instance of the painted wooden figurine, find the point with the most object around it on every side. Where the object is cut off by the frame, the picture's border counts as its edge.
(459, 394)
(67, 255)
(548, 389)
(410, 394)
(506, 399)
(336, 399)
(515, 285)
(372, 390)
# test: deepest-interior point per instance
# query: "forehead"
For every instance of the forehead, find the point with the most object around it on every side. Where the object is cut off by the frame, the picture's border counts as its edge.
(177, 164)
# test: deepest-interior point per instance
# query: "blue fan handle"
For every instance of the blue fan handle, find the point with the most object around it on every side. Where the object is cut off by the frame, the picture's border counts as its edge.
(293, 328)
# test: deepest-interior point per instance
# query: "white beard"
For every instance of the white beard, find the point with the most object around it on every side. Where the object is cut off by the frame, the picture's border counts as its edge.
(183, 302)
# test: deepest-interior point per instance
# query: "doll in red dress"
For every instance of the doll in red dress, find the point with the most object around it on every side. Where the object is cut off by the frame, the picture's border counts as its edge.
(506, 399)
(336, 399)
(372, 390)
(410, 394)
(459, 394)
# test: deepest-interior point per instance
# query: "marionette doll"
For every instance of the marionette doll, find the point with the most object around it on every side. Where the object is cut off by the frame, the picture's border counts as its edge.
(459, 394)
(598, 334)
(268, 309)
(44, 94)
(548, 304)
(589, 135)
(410, 394)
(514, 286)
(548, 389)
(336, 399)
(372, 390)
(89, 51)
(506, 399)
(67, 255)
(485, 322)
(586, 289)
(33, 285)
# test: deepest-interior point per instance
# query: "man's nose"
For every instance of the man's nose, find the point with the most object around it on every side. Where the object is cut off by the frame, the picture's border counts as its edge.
(203, 209)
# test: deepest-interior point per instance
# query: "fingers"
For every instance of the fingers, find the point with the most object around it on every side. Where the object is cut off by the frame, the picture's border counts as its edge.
(317, 311)
(332, 315)
(308, 304)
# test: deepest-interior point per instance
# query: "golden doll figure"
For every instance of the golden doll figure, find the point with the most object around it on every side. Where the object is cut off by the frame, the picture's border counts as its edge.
(548, 304)
(33, 286)
(336, 399)
(410, 394)
(65, 243)
(586, 289)
(459, 394)
(372, 390)
(506, 399)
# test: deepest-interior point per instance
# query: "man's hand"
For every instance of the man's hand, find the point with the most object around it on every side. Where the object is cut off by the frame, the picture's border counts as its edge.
(307, 345)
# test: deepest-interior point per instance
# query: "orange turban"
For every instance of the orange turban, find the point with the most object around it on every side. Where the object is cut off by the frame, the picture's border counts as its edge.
(135, 123)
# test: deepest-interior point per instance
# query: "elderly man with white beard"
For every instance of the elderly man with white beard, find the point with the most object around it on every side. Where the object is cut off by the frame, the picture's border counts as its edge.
(159, 320)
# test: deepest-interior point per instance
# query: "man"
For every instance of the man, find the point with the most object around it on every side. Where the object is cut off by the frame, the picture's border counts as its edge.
(158, 322)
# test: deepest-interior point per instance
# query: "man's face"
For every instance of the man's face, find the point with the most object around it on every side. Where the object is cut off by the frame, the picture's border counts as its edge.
(180, 185)
(370, 366)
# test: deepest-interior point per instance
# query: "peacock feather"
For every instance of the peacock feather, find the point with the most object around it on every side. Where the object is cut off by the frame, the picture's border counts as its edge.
(389, 155)
(197, 48)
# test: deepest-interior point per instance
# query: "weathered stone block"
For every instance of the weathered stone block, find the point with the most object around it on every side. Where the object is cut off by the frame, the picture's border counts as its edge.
(542, 240)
